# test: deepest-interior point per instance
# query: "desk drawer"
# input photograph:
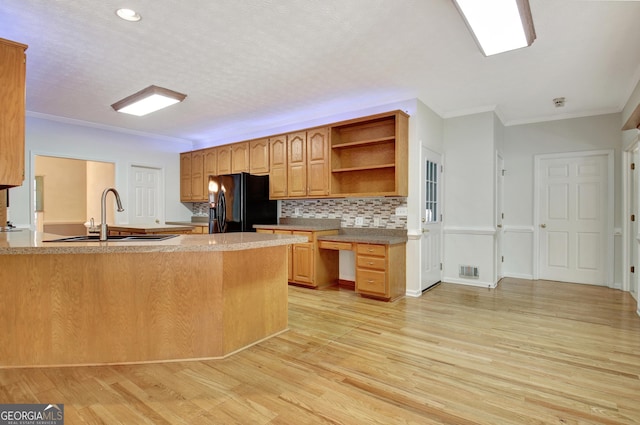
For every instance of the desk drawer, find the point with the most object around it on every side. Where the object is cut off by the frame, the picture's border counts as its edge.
(335, 245)
(371, 281)
(368, 249)
(371, 262)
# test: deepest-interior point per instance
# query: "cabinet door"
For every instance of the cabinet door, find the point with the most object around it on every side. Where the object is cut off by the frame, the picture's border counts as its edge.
(289, 254)
(210, 167)
(185, 177)
(259, 156)
(278, 167)
(224, 160)
(12, 113)
(197, 177)
(240, 157)
(318, 162)
(297, 164)
(303, 263)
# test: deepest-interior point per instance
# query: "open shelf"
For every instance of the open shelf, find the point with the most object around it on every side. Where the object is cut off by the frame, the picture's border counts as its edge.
(369, 156)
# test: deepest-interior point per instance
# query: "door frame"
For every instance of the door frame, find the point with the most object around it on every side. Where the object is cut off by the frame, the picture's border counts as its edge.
(628, 236)
(499, 209)
(425, 152)
(161, 187)
(609, 263)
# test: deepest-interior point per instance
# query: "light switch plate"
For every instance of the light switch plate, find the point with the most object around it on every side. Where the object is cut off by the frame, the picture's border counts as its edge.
(359, 221)
(402, 211)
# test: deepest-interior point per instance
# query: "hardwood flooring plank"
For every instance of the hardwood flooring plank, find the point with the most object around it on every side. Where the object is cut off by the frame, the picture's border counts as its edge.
(527, 352)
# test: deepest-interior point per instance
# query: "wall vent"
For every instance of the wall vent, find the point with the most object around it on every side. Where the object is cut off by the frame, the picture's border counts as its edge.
(470, 272)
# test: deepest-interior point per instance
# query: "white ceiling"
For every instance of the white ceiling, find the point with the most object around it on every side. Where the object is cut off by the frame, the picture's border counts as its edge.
(252, 65)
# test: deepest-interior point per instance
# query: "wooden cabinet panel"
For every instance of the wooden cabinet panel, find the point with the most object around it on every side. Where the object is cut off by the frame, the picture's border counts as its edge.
(198, 193)
(318, 162)
(210, 167)
(224, 160)
(259, 156)
(303, 266)
(185, 177)
(278, 167)
(12, 113)
(240, 157)
(297, 164)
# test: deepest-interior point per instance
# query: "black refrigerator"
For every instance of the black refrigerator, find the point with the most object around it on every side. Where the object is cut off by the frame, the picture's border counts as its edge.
(241, 201)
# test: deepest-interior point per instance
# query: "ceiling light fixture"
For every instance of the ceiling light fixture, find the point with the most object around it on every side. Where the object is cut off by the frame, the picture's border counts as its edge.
(128, 15)
(498, 25)
(148, 100)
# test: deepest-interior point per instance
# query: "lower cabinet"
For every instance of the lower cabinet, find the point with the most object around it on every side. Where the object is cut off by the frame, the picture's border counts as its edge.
(309, 265)
(381, 270)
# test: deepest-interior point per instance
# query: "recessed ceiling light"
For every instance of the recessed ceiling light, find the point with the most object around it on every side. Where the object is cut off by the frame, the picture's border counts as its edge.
(128, 15)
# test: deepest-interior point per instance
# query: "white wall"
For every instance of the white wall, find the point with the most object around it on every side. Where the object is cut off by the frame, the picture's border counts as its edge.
(54, 138)
(522, 143)
(469, 197)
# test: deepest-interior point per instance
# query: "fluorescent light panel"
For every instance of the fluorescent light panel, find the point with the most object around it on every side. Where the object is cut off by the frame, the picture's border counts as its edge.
(498, 25)
(148, 100)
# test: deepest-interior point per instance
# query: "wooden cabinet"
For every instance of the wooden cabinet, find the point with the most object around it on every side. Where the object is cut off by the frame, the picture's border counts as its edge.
(369, 156)
(297, 164)
(278, 167)
(192, 186)
(210, 159)
(356, 158)
(259, 156)
(309, 265)
(381, 270)
(308, 165)
(12, 113)
(224, 160)
(240, 157)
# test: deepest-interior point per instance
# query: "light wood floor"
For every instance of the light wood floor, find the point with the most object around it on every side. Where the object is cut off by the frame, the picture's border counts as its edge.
(528, 352)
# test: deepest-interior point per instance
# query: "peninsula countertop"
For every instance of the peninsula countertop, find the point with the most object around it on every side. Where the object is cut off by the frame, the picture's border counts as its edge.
(31, 242)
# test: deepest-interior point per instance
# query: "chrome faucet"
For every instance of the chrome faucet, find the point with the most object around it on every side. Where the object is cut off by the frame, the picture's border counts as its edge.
(104, 229)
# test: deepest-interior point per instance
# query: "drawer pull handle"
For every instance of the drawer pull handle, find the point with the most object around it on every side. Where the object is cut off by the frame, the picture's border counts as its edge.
(369, 280)
(370, 263)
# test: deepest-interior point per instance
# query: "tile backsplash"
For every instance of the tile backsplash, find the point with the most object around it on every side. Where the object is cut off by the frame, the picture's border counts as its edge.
(375, 212)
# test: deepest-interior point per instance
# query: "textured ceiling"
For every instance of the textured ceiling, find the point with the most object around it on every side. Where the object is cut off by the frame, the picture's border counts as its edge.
(253, 65)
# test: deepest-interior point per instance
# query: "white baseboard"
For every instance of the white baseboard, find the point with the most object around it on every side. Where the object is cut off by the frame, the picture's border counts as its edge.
(519, 275)
(469, 282)
(413, 293)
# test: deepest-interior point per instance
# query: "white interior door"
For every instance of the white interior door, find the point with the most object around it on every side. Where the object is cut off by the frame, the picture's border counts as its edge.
(431, 218)
(145, 196)
(499, 214)
(573, 214)
(633, 240)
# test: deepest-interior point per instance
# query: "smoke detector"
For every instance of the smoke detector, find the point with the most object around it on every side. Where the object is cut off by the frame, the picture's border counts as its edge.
(558, 102)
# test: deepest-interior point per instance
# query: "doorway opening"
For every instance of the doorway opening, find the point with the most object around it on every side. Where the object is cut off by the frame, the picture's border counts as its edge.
(67, 193)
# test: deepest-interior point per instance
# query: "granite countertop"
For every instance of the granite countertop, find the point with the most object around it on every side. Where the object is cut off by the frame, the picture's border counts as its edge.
(30, 242)
(346, 234)
(152, 227)
(189, 223)
(380, 238)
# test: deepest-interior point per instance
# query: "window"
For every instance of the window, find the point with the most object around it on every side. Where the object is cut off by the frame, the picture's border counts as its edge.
(431, 192)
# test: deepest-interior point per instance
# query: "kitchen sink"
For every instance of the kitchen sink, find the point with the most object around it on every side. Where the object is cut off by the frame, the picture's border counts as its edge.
(114, 238)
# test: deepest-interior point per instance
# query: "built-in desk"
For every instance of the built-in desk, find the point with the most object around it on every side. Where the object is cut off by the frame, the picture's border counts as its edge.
(380, 262)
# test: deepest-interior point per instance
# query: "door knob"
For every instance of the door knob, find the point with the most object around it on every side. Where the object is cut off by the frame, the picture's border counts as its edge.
(425, 230)
(499, 226)
(543, 226)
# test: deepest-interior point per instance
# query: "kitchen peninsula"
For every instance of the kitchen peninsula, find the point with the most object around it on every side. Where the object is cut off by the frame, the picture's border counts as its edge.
(188, 297)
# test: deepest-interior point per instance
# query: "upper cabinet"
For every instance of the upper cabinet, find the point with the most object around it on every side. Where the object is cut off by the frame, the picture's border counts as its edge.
(356, 158)
(12, 112)
(259, 156)
(240, 157)
(369, 156)
(192, 185)
(278, 167)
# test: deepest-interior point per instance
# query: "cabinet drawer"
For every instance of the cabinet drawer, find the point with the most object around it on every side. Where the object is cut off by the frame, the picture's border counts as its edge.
(370, 281)
(368, 249)
(369, 262)
(335, 245)
(282, 232)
